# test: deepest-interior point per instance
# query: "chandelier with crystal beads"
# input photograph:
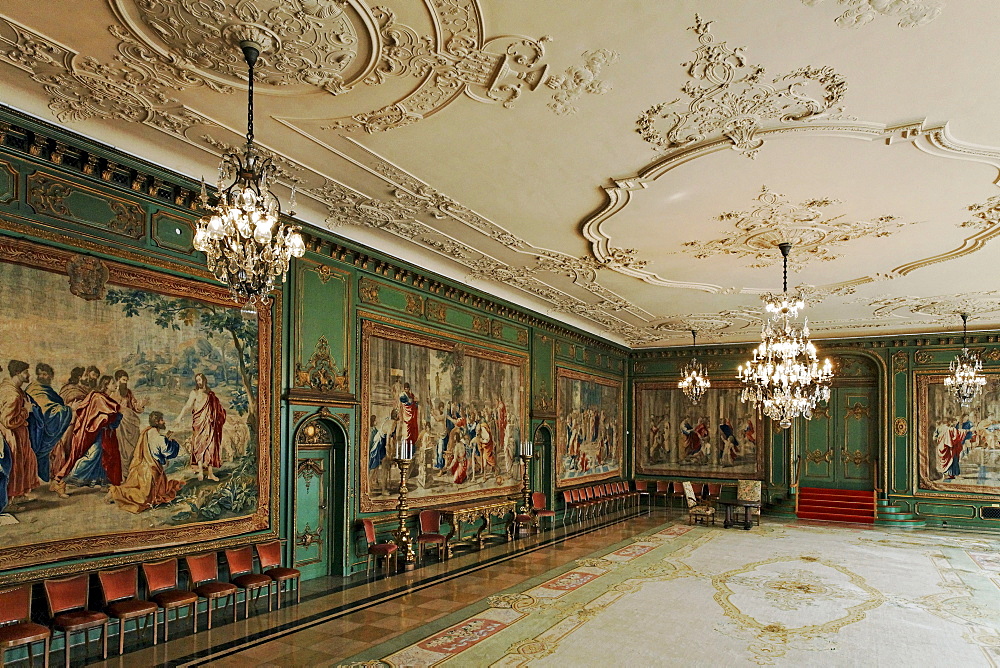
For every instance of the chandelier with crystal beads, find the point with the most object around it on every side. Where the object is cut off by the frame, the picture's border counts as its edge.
(694, 376)
(966, 379)
(247, 245)
(784, 377)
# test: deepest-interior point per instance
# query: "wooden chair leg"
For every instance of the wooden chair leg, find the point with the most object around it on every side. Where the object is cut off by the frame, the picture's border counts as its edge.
(209, 614)
(48, 647)
(66, 646)
(234, 606)
(121, 635)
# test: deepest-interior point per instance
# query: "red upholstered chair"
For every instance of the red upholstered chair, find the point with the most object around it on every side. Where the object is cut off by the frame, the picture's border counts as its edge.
(67, 599)
(240, 562)
(569, 506)
(161, 581)
(663, 490)
(713, 491)
(16, 627)
(270, 562)
(526, 520)
(538, 503)
(375, 550)
(204, 571)
(676, 490)
(430, 534)
(642, 490)
(120, 589)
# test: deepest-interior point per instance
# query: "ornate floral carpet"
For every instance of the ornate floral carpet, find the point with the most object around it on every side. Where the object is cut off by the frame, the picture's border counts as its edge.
(776, 595)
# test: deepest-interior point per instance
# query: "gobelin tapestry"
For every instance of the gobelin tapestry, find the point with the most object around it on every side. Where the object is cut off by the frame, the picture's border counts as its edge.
(959, 447)
(588, 428)
(461, 405)
(717, 438)
(132, 409)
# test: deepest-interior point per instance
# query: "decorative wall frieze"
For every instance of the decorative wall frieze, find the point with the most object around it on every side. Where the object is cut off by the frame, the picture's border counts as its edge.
(577, 80)
(810, 226)
(910, 13)
(943, 309)
(729, 98)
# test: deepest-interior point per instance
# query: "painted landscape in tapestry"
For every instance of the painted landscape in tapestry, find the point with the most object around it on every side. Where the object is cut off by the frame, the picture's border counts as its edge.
(716, 438)
(588, 428)
(120, 410)
(460, 406)
(959, 446)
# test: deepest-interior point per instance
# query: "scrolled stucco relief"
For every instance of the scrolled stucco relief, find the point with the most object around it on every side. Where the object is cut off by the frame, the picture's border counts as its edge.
(810, 226)
(910, 13)
(81, 88)
(307, 43)
(735, 101)
(985, 215)
(577, 80)
(938, 308)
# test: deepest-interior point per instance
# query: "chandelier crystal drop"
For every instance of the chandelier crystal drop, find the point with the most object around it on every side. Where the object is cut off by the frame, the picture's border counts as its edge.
(246, 244)
(694, 376)
(784, 377)
(966, 379)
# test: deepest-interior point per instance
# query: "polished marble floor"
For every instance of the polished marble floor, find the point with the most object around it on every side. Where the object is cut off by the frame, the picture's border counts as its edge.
(340, 618)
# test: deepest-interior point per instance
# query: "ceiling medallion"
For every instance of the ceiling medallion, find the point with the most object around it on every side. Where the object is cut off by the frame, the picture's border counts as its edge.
(966, 379)
(784, 377)
(775, 220)
(246, 244)
(694, 376)
(734, 102)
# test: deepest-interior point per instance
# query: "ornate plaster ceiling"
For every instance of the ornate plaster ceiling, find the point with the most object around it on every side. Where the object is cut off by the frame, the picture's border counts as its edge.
(629, 168)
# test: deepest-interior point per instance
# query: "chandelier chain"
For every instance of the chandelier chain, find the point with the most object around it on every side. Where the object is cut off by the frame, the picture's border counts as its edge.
(251, 62)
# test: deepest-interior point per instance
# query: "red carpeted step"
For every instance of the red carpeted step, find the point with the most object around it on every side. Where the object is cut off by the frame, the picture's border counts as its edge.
(836, 505)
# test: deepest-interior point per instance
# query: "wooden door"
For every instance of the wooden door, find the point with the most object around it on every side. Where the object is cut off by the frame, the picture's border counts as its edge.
(839, 446)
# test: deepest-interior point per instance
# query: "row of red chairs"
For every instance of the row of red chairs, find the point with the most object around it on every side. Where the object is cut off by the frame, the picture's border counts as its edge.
(596, 499)
(68, 599)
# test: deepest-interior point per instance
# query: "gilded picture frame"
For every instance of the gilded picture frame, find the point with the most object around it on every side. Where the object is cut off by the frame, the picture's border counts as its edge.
(233, 493)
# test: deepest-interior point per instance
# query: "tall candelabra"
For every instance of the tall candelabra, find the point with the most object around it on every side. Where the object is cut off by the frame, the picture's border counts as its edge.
(526, 453)
(404, 457)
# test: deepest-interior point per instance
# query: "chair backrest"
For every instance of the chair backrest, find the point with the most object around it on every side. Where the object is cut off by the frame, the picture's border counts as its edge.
(269, 553)
(662, 486)
(748, 490)
(203, 567)
(119, 584)
(640, 486)
(678, 488)
(692, 500)
(64, 594)
(714, 489)
(160, 575)
(430, 521)
(15, 604)
(369, 531)
(567, 498)
(239, 560)
(538, 501)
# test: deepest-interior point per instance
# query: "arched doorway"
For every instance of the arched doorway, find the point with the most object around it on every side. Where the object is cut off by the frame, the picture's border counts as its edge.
(320, 480)
(542, 440)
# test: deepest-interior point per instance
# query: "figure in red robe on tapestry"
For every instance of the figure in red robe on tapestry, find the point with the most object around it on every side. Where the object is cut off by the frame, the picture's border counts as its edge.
(94, 458)
(73, 392)
(147, 484)
(487, 447)
(408, 414)
(459, 461)
(14, 412)
(207, 418)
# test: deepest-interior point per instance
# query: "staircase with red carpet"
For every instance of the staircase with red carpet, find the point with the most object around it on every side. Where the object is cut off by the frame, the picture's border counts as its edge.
(836, 505)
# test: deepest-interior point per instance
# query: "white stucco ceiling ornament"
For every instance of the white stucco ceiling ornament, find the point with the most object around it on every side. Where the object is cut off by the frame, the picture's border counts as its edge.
(940, 308)
(307, 44)
(811, 226)
(737, 99)
(910, 13)
(577, 80)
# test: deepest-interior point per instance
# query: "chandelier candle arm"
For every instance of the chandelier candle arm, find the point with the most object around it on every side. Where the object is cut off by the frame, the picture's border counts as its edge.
(694, 376)
(966, 379)
(784, 377)
(246, 245)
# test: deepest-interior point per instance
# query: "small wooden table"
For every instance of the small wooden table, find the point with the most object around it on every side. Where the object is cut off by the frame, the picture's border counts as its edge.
(458, 515)
(747, 517)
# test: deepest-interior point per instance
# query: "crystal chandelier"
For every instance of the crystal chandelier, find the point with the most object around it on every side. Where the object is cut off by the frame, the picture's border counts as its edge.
(246, 243)
(694, 376)
(784, 377)
(965, 380)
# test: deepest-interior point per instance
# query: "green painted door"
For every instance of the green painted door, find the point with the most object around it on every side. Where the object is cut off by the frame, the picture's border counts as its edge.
(312, 535)
(839, 446)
